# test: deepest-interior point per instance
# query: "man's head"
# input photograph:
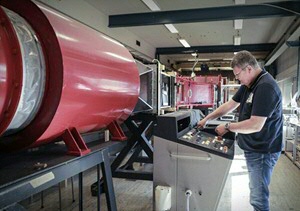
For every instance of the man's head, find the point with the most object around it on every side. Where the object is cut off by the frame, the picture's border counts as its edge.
(245, 67)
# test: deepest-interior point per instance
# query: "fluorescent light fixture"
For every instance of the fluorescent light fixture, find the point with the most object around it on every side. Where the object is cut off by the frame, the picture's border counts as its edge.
(238, 24)
(237, 40)
(240, 1)
(200, 60)
(154, 7)
(184, 43)
(151, 4)
(171, 28)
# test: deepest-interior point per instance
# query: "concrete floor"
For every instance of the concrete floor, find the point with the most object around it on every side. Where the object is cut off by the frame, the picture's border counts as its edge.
(134, 195)
(284, 188)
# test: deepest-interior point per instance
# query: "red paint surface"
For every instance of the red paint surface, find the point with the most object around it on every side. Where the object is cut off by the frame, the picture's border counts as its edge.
(99, 82)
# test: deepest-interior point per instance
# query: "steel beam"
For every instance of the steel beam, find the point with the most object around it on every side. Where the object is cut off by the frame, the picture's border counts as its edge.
(291, 34)
(217, 49)
(265, 10)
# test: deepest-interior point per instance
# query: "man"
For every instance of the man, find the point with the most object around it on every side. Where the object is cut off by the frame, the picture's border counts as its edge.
(259, 128)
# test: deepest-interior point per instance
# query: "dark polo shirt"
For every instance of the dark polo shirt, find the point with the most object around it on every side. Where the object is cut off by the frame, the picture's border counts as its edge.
(263, 99)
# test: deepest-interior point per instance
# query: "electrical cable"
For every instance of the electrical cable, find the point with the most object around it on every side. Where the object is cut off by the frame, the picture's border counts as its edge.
(156, 60)
(196, 62)
(188, 194)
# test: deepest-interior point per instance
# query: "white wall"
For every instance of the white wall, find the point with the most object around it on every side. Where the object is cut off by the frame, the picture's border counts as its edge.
(89, 15)
(287, 65)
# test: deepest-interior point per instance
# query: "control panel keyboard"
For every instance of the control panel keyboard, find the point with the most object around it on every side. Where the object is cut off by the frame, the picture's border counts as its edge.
(208, 142)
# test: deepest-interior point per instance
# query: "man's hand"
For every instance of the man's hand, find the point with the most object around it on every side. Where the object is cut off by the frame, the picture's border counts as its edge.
(221, 130)
(202, 123)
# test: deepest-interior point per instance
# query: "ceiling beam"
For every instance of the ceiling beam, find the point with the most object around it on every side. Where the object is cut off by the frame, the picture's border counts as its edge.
(265, 10)
(292, 34)
(217, 49)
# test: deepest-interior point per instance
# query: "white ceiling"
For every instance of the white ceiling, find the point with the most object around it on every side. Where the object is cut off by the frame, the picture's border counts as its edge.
(254, 31)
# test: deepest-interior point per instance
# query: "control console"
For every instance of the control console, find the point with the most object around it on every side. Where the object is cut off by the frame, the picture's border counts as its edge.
(208, 142)
(177, 127)
(187, 158)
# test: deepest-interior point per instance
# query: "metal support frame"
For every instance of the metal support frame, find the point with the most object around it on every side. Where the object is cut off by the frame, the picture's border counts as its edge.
(139, 125)
(24, 187)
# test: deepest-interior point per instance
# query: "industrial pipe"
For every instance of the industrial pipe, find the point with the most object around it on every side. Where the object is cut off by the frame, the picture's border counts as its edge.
(57, 74)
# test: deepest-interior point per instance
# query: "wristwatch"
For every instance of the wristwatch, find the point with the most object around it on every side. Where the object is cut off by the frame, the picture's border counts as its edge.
(227, 126)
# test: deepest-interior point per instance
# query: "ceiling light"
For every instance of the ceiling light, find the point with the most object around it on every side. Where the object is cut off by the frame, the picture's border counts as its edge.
(238, 24)
(184, 43)
(194, 54)
(237, 40)
(151, 4)
(171, 28)
(240, 1)
(154, 7)
(200, 60)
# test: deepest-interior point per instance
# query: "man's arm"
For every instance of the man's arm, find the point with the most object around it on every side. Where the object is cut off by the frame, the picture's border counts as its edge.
(223, 109)
(252, 125)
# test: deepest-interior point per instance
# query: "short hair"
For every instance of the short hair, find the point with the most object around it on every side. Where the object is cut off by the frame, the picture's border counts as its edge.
(243, 58)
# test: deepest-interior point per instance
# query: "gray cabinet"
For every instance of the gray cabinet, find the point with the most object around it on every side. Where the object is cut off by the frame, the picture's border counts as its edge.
(185, 168)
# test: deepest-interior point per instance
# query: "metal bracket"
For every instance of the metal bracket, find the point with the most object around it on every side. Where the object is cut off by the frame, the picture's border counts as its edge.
(75, 143)
(116, 131)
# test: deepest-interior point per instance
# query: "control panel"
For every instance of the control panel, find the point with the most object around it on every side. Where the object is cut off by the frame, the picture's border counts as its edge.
(176, 127)
(208, 142)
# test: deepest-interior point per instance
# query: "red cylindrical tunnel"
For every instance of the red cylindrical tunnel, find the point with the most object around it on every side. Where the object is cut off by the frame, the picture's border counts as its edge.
(87, 80)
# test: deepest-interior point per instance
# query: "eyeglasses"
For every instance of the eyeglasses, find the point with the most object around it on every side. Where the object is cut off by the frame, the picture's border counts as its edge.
(237, 75)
